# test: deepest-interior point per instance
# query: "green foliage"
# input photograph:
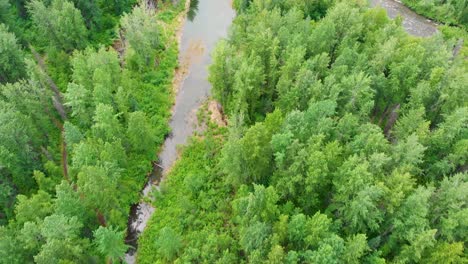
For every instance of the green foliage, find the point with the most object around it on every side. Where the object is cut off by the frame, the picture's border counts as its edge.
(142, 33)
(453, 12)
(5, 15)
(168, 243)
(346, 144)
(37, 206)
(12, 66)
(59, 25)
(140, 133)
(110, 242)
(79, 127)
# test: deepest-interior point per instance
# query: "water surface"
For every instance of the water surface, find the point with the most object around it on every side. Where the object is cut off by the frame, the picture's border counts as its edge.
(413, 23)
(208, 21)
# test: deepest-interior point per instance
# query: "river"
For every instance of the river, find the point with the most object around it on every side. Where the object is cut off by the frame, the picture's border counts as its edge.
(208, 21)
(413, 23)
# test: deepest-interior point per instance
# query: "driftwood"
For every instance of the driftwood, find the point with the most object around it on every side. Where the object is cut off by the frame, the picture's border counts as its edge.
(159, 166)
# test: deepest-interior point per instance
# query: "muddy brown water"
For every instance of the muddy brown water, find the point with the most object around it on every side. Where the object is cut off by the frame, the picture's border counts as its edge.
(208, 22)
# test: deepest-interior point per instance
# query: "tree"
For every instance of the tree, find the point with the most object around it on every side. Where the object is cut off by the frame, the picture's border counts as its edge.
(106, 125)
(96, 78)
(257, 206)
(89, 65)
(356, 95)
(68, 202)
(306, 232)
(329, 251)
(59, 25)
(141, 133)
(5, 15)
(98, 190)
(254, 239)
(31, 99)
(449, 208)
(12, 66)
(448, 138)
(18, 146)
(412, 122)
(9, 250)
(63, 243)
(7, 195)
(257, 154)
(142, 33)
(31, 238)
(247, 89)
(356, 247)
(411, 228)
(221, 72)
(409, 153)
(92, 13)
(294, 58)
(446, 253)
(168, 244)
(110, 242)
(38, 206)
(73, 135)
(357, 196)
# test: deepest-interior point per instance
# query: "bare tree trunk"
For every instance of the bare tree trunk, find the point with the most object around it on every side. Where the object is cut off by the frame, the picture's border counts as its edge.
(57, 99)
(101, 218)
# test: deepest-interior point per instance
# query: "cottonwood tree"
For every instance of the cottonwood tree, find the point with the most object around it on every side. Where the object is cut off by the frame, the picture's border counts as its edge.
(12, 66)
(168, 244)
(18, 146)
(140, 132)
(62, 240)
(59, 25)
(110, 242)
(142, 33)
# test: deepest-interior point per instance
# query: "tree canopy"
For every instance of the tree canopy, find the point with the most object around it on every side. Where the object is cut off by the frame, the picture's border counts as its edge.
(345, 144)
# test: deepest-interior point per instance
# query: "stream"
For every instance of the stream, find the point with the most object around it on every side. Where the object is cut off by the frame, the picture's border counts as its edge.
(207, 22)
(413, 23)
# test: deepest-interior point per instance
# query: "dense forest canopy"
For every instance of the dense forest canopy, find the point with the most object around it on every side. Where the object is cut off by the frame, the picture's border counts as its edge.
(347, 139)
(80, 122)
(347, 143)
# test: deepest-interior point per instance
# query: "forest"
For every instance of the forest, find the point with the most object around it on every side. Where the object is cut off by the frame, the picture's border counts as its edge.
(346, 137)
(85, 97)
(347, 143)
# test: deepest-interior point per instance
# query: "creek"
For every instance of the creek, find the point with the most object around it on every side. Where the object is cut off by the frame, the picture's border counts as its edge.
(413, 23)
(207, 22)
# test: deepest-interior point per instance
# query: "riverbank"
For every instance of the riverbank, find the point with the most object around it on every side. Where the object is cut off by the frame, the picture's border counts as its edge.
(447, 13)
(170, 20)
(413, 23)
(209, 23)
